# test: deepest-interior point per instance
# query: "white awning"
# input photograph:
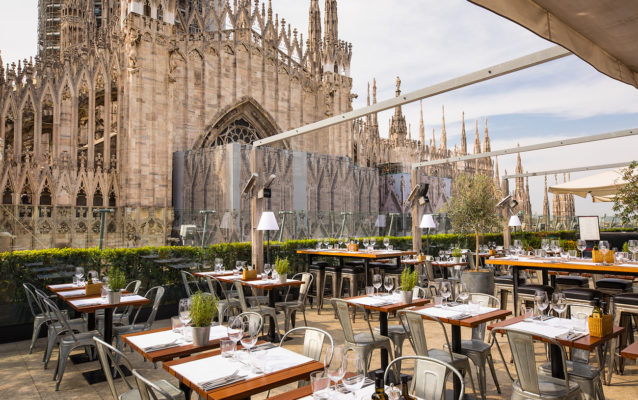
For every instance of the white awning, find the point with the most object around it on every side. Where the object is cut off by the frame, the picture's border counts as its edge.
(602, 187)
(601, 32)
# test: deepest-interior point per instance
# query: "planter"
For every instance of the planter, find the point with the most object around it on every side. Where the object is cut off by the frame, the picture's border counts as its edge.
(456, 260)
(114, 296)
(283, 278)
(479, 281)
(201, 335)
(407, 296)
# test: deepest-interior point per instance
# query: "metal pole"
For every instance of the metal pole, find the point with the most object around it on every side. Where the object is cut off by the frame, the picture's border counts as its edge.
(567, 170)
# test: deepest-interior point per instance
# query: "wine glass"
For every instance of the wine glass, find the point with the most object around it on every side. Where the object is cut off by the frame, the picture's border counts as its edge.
(373, 242)
(545, 244)
(326, 242)
(267, 269)
(219, 264)
(249, 337)
(184, 313)
(632, 246)
(79, 274)
(388, 283)
(354, 372)
(376, 282)
(386, 242)
(464, 293)
(542, 302)
(235, 329)
(581, 245)
(446, 290)
(559, 304)
(366, 243)
(340, 241)
(335, 366)
(603, 246)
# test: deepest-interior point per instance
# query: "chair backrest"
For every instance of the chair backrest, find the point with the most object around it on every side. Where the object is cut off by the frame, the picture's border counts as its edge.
(342, 309)
(109, 355)
(148, 389)
(131, 287)
(240, 294)
(304, 289)
(314, 339)
(429, 377)
(419, 293)
(522, 349)
(216, 287)
(252, 318)
(53, 313)
(155, 294)
(484, 300)
(32, 299)
(413, 322)
(190, 282)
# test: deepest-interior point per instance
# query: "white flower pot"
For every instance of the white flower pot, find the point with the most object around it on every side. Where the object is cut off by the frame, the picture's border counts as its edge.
(457, 260)
(283, 278)
(407, 296)
(201, 335)
(114, 296)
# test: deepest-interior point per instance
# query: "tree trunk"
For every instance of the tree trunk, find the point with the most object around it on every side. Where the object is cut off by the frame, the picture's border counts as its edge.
(478, 257)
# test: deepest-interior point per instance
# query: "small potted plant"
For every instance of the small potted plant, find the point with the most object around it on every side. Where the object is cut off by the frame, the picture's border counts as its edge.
(409, 280)
(281, 266)
(456, 255)
(117, 282)
(203, 311)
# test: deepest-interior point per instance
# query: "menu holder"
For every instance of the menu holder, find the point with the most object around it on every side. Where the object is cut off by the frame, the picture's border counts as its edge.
(93, 289)
(600, 327)
(249, 275)
(597, 256)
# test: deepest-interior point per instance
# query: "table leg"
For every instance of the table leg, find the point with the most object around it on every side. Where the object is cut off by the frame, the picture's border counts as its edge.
(456, 348)
(515, 289)
(545, 276)
(90, 321)
(557, 362)
(187, 390)
(108, 325)
(383, 330)
(366, 266)
(271, 303)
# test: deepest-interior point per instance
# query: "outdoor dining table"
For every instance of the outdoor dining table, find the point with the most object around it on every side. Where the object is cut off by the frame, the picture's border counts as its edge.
(552, 264)
(379, 303)
(286, 367)
(630, 351)
(456, 324)
(366, 255)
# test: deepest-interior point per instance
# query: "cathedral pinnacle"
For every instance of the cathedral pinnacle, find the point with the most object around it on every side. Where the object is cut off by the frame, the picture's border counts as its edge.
(314, 27)
(477, 140)
(421, 126)
(463, 136)
(443, 143)
(487, 147)
(331, 22)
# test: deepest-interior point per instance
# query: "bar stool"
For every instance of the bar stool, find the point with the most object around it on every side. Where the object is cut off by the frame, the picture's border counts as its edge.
(582, 296)
(355, 277)
(332, 275)
(526, 294)
(503, 285)
(395, 274)
(612, 286)
(318, 270)
(564, 282)
(625, 306)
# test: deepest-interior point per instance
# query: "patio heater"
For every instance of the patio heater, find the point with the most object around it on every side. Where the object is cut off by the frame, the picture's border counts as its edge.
(206, 214)
(267, 222)
(103, 212)
(427, 222)
(514, 222)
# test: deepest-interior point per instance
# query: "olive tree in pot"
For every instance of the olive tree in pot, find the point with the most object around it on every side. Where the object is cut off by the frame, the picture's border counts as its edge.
(117, 282)
(409, 280)
(281, 266)
(472, 208)
(203, 311)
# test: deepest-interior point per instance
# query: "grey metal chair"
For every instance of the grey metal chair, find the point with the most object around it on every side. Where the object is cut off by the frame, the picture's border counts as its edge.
(148, 389)
(477, 349)
(290, 307)
(529, 384)
(40, 318)
(227, 304)
(429, 377)
(413, 322)
(191, 282)
(120, 316)
(252, 317)
(155, 294)
(68, 339)
(109, 355)
(264, 311)
(363, 343)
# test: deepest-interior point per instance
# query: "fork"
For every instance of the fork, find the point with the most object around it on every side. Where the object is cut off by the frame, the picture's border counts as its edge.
(212, 382)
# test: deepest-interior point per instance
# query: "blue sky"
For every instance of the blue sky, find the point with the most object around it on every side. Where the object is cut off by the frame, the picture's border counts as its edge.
(429, 41)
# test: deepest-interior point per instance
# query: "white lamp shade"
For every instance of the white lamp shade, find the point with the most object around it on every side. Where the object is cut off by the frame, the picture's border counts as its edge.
(514, 221)
(267, 222)
(226, 222)
(380, 222)
(427, 221)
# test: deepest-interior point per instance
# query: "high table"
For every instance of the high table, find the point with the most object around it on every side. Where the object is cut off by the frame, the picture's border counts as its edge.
(548, 264)
(456, 325)
(383, 317)
(366, 255)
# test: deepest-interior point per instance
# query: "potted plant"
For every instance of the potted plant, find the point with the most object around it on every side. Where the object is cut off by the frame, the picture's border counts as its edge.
(117, 282)
(456, 255)
(281, 266)
(472, 208)
(203, 311)
(408, 281)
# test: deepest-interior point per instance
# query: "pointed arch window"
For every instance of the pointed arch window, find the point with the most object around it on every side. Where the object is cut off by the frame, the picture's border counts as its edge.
(98, 200)
(80, 199)
(45, 197)
(160, 12)
(240, 131)
(147, 9)
(7, 196)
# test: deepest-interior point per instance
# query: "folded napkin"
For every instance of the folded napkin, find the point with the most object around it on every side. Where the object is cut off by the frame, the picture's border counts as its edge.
(157, 339)
(540, 328)
(377, 301)
(73, 293)
(443, 312)
(64, 286)
(94, 301)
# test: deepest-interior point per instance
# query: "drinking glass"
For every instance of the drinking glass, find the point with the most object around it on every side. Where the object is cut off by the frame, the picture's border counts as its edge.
(184, 313)
(228, 348)
(564, 253)
(603, 246)
(79, 274)
(219, 264)
(555, 245)
(559, 304)
(326, 242)
(542, 302)
(369, 290)
(235, 329)
(386, 242)
(373, 242)
(438, 301)
(464, 293)
(573, 254)
(335, 367)
(376, 281)
(445, 290)
(581, 245)
(518, 245)
(267, 269)
(388, 283)
(354, 372)
(320, 384)
(632, 246)
(545, 245)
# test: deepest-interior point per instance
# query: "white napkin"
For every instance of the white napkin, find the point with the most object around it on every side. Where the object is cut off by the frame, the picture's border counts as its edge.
(157, 339)
(225, 272)
(270, 282)
(73, 293)
(541, 328)
(377, 300)
(215, 367)
(463, 308)
(218, 332)
(363, 393)
(97, 301)
(440, 312)
(63, 286)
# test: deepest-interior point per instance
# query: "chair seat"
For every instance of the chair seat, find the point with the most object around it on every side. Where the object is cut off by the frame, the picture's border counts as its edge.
(392, 330)
(351, 270)
(80, 338)
(282, 305)
(533, 289)
(365, 338)
(614, 283)
(474, 345)
(354, 263)
(124, 329)
(572, 280)
(578, 369)
(626, 298)
(582, 294)
(444, 355)
(551, 387)
(378, 264)
(319, 264)
(134, 394)
(332, 268)
(508, 280)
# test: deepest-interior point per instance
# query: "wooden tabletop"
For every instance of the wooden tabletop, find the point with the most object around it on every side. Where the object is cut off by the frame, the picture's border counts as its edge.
(631, 351)
(62, 287)
(170, 353)
(204, 274)
(294, 394)
(247, 388)
(93, 308)
(390, 308)
(586, 342)
(358, 254)
(469, 322)
(578, 265)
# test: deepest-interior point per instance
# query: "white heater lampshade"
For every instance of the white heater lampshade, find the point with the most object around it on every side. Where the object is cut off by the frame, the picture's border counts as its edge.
(267, 222)
(514, 221)
(226, 221)
(427, 221)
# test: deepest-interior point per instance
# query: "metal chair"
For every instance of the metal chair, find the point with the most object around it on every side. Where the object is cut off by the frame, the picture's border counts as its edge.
(68, 339)
(226, 303)
(414, 323)
(150, 390)
(191, 282)
(252, 317)
(40, 319)
(625, 306)
(155, 294)
(529, 384)
(429, 377)
(290, 307)
(477, 349)
(264, 311)
(363, 343)
(119, 317)
(110, 356)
